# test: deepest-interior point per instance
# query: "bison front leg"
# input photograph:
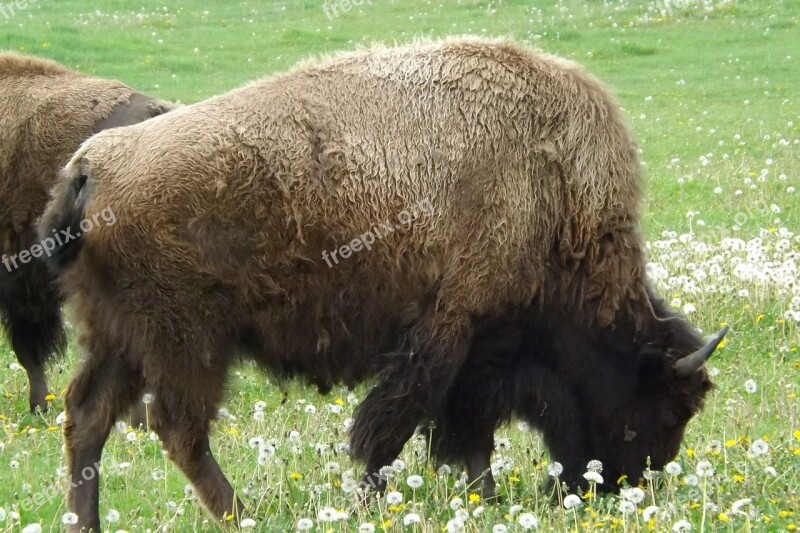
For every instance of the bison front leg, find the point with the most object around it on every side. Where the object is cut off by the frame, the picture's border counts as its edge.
(103, 388)
(412, 391)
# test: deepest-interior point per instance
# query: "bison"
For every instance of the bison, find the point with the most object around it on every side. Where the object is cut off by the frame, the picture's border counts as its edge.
(522, 292)
(47, 112)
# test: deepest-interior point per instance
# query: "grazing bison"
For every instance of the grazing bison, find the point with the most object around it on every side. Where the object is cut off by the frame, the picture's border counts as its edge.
(529, 267)
(46, 112)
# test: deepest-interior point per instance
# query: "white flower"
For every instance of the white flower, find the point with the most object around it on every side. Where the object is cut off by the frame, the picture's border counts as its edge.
(704, 469)
(147, 398)
(445, 470)
(691, 480)
(673, 469)
(688, 309)
(411, 519)
(294, 436)
(528, 521)
(112, 516)
(750, 386)
(514, 510)
(131, 436)
(572, 501)
(635, 494)
(247, 523)
(394, 498)
(333, 467)
(770, 471)
(736, 508)
(554, 469)
(499, 528)
(305, 524)
(260, 405)
(759, 447)
(32, 528)
(60, 419)
(682, 525)
(454, 525)
(310, 409)
(594, 466)
(398, 465)
(327, 514)
(479, 510)
(414, 481)
(13, 464)
(502, 445)
(456, 504)
(649, 512)
(593, 477)
(626, 507)
(366, 527)
(69, 519)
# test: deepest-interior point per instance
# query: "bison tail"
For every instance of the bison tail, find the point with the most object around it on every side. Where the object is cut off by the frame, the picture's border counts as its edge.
(60, 233)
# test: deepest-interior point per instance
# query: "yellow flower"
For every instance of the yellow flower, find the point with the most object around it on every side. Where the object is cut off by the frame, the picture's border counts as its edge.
(785, 514)
(722, 517)
(53, 428)
(474, 498)
(796, 434)
(766, 519)
(791, 527)
(396, 508)
(737, 478)
(50, 397)
(694, 505)
(588, 496)
(730, 443)
(759, 318)
(513, 479)
(690, 453)
(386, 524)
(765, 438)
(796, 452)
(295, 475)
(339, 401)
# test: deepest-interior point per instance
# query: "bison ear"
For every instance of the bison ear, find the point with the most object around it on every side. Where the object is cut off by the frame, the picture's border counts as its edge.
(690, 364)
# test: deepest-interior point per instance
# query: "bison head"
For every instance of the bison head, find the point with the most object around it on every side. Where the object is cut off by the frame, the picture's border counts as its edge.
(622, 394)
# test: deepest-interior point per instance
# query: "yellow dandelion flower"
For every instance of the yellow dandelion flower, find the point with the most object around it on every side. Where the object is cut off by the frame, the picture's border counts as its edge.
(791, 527)
(694, 505)
(295, 475)
(766, 519)
(690, 453)
(50, 397)
(474, 498)
(759, 318)
(730, 443)
(386, 524)
(785, 514)
(339, 401)
(396, 508)
(796, 434)
(722, 517)
(737, 478)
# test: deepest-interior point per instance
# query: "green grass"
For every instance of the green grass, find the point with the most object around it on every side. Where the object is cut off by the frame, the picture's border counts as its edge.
(721, 84)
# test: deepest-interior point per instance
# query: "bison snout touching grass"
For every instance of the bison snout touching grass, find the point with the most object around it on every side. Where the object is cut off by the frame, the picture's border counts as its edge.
(46, 112)
(522, 293)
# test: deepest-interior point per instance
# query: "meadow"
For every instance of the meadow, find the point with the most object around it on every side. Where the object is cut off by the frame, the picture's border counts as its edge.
(712, 89)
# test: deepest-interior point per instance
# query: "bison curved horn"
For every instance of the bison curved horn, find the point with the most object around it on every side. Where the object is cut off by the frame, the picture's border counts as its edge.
(686, 366)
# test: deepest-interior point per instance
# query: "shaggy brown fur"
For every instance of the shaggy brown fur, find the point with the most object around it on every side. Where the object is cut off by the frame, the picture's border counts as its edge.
(225, 207)
(47, 112)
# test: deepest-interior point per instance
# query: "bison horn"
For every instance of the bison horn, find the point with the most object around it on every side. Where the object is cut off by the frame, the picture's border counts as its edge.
(690, 364)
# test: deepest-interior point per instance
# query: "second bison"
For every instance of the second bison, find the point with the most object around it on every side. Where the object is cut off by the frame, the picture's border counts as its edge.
(529, 265)
(46, 112)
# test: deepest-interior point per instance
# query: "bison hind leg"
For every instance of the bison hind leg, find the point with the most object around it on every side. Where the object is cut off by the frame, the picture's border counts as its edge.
(104, 387)
(182, 412)
(35, 329)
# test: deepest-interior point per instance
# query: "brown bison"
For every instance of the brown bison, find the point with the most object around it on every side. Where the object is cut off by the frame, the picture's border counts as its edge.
(47, 112)
(522, 292)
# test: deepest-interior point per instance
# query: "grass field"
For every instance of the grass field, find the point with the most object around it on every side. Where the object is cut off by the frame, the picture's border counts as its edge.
(712, 89)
